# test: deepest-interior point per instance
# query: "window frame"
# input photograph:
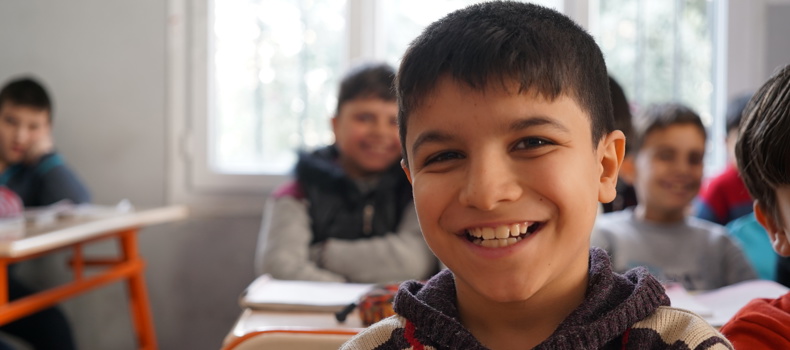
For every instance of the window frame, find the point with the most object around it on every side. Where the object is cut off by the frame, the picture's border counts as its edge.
(190, 179)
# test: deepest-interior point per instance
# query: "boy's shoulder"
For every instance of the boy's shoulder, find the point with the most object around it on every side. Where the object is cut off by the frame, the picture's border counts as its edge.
(292, 189)
(677, 326)
(711, 228)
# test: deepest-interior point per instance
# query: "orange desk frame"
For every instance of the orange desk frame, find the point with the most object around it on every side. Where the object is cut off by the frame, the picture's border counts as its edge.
(129, 267)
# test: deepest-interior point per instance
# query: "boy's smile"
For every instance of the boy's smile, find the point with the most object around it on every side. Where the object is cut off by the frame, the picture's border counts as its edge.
(506, 188)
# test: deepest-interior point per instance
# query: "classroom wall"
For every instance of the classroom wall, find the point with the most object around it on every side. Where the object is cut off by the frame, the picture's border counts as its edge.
(105, 63)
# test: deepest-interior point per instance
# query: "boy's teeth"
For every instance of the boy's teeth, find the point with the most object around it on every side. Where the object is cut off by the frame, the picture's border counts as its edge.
(502, 232)
(500, 236)
(488, 233)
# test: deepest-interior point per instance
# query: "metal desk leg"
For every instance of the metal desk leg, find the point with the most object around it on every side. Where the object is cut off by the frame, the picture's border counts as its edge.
(140, 306)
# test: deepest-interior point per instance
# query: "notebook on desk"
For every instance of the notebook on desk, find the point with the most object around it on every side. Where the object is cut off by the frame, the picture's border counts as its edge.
(267, 293)
(726, 301)
(719, 305)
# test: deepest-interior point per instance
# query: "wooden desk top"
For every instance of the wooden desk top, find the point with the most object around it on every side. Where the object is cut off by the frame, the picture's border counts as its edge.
(39, 238)
(262, 320)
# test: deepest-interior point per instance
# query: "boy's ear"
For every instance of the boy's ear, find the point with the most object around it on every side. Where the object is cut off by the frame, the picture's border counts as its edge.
(334, 125)
(776, 234)
(405, 168)
(611, 151)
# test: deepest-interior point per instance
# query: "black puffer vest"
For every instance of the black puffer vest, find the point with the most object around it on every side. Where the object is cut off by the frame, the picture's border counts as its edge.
(339, 209)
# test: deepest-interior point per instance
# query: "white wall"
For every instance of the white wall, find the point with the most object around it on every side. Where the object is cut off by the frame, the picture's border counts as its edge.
(105, 62)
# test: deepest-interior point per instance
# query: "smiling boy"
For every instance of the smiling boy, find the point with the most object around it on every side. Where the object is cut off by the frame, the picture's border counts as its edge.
(348, 216)
(506, 124)
(658, 234)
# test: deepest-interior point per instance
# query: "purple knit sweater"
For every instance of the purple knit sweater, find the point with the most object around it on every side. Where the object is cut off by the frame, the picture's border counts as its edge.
(619, 312)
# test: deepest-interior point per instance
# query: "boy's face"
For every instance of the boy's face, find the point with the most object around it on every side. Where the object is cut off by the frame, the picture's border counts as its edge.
(668, 171)
(366, 134)
(496, 163)
(21, 127)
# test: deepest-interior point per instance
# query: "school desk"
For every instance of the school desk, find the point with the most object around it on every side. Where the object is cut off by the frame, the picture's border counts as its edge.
(73, 234)
(264, 329)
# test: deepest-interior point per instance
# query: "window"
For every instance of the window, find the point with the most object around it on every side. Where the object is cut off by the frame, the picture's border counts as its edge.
(271, 73)
(258, 78)
(662, 51)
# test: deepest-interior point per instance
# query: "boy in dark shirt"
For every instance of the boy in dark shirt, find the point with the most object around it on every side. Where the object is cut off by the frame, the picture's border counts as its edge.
(31, 168)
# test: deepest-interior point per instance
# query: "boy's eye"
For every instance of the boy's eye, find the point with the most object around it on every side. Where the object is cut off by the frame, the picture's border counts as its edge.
(665, 156)
(364, 117)
(10, 120)
(531, 142)
(696, 158)
(443, 157)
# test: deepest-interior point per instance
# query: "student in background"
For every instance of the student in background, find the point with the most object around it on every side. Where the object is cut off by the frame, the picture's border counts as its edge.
(509, 144)
(348, 214)
(29, 164)
(31, 168)
(626, 196)
(763, 154)
(657, 233)
(725, 198)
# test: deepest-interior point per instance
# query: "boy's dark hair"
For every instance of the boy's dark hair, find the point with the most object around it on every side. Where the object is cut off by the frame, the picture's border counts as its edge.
(28, 92)
(735, 111)
(367, 80)
(623, 120)
(661, 116)
(763, 147)
(503, 41)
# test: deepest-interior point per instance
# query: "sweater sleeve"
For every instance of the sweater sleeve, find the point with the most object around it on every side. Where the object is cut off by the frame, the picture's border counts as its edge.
(283, 248)
(396, 256)
(56, 181)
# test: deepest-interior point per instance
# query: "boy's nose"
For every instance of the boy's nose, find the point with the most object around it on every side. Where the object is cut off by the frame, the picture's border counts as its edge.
(20, 135)
(490, 182)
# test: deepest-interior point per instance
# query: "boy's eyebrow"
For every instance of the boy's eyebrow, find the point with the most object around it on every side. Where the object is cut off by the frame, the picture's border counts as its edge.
(430, 136)
(537, 120)
(518, 125)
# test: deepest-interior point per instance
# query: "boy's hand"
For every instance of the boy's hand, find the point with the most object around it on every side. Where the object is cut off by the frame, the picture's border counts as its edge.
(39, 148)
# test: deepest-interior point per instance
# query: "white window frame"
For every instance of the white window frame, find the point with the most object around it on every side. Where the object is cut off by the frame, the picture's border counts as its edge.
(190, 179)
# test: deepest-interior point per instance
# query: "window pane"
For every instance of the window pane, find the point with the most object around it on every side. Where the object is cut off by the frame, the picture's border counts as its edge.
(276, 66)
(663, 51)
(660, 51)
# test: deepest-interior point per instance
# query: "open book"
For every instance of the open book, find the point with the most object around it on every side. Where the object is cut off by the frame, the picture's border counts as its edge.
(267, 293)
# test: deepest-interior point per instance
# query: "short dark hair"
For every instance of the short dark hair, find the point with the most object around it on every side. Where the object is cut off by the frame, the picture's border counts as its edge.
(26, 91)
(763, 147)
(367, 80)
(623, 120)
(661, 116)
(502, 41)
(735, 111)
